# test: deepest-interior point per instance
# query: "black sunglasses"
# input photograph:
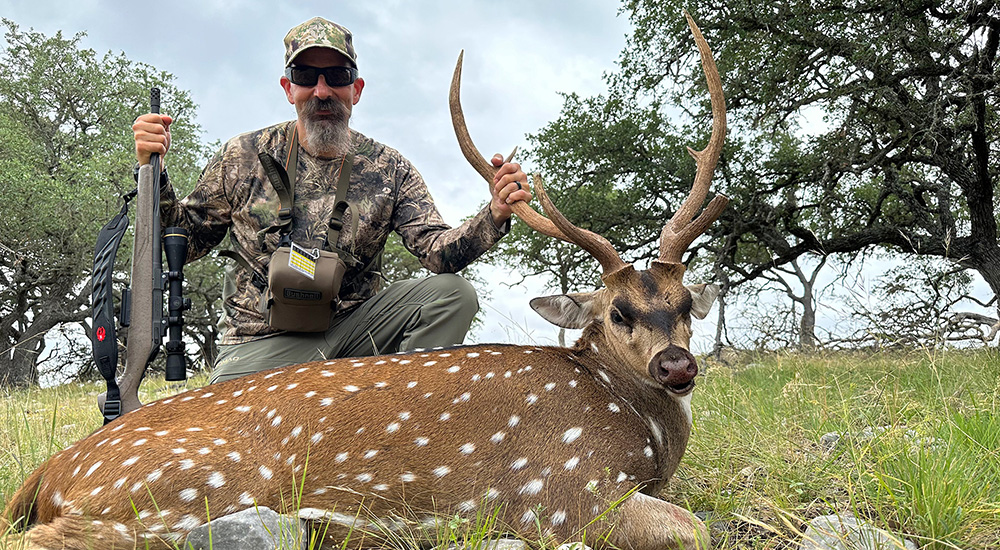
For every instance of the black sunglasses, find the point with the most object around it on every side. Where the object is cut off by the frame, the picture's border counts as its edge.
(304, 75)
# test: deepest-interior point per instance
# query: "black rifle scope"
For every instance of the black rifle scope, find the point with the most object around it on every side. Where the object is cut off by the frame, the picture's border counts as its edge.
(175, 246)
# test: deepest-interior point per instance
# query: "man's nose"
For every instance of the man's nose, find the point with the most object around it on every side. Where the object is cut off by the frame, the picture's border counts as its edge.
(321, 90)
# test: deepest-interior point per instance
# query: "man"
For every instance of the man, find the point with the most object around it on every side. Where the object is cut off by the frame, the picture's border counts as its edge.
(385, 193)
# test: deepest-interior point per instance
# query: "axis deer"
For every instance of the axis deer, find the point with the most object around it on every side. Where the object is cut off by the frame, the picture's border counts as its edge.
(548, 438)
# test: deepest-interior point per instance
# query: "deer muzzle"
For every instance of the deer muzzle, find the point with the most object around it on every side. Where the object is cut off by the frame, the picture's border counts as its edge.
(674, 368)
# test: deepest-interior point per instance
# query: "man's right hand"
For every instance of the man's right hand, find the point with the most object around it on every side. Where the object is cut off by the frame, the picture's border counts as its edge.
(152, 135)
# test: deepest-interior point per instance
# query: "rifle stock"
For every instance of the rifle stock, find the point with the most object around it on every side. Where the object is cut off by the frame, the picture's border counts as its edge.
(145, 330)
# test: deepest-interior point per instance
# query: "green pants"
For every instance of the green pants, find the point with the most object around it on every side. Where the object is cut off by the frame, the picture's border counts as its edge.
(422, 313)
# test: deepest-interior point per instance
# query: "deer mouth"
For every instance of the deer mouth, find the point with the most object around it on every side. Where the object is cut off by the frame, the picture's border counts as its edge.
(681, 389)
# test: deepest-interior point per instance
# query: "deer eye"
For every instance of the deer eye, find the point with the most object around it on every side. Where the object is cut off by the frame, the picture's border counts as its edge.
(617, 318)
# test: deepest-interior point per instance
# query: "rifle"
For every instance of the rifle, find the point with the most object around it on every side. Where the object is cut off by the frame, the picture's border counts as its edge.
(142, 304)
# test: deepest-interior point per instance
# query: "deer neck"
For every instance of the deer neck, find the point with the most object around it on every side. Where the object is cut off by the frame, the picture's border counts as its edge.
(667, 417)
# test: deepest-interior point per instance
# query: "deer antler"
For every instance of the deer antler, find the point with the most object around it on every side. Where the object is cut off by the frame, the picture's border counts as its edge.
(534, 220)
(681, 231)
(596, 245)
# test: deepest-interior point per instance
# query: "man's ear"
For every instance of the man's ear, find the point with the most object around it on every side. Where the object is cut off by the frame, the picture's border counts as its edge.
(287, 86)
(359, 84)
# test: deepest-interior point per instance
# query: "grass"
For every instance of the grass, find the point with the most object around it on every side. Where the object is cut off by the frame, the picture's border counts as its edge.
(918, 454)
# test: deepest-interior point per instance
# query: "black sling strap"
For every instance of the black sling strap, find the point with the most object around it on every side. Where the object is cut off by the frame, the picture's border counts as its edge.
(104, 335)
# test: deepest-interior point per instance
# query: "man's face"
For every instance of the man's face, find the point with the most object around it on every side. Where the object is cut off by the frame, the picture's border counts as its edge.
(323, 111)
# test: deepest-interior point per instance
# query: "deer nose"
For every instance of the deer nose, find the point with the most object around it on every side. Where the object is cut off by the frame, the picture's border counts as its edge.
(675, 368)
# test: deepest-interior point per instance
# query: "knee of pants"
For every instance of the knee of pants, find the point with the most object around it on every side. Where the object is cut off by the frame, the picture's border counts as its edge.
(455, 290)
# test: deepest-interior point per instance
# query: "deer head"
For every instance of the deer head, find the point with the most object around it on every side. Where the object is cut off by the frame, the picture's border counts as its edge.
(640, 318)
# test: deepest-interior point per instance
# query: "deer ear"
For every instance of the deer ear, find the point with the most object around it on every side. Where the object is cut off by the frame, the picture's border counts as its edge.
(566, 310)
(702, 298)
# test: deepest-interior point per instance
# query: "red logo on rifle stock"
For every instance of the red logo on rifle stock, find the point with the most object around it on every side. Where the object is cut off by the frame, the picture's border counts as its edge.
(100, 334)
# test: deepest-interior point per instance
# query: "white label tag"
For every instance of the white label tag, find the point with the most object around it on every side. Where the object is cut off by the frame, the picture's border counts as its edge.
(303, 260)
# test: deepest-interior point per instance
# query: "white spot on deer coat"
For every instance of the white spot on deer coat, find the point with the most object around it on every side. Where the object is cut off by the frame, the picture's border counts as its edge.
(316, 437)
(621, 477)
(533, 487)
(498, 437)
(96, 491)
(572, 435)
(421, 441)
(139, 442)
(380, 487)
(559, 517)
(550, 386)
(444, 416)
(407, 477)
(341, 457)
(371, 454)
(613, 407)
(528, 516)
(364, 478)
(467, 506)
(392, 427)
(216, 480)
(265, 472)
(454, 369)
(519, 463)
(572, 463)
(187, 523)
(472, 354)
(121, 482)
(648, 451)
(242, 409)
(467, 449)
(234, 456)
(186, 464)
(93, 468)
(154, 475)
(277, 421)
(514, 421)
(531, 399)
(351, 388)
(187, 495)
(441, 471)
(246, 499)
(326, 402)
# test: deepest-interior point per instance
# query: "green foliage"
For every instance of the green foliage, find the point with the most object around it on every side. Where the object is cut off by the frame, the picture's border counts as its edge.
(66, 157)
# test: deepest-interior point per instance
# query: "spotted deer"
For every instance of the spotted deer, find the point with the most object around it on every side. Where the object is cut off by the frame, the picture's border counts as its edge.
(564, 443)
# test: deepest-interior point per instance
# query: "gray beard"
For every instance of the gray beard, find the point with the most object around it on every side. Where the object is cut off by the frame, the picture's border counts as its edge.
(329, 135)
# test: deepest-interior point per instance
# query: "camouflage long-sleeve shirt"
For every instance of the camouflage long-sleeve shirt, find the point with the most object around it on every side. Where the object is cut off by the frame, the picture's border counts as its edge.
(386, 193)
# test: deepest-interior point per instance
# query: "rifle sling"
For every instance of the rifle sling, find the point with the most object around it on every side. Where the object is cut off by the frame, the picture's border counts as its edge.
(104, 334)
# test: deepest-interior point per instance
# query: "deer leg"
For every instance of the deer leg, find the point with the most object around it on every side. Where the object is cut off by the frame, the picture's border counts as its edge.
(643, 522)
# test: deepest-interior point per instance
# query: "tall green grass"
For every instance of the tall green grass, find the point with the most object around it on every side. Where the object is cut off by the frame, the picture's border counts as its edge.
(919, 453)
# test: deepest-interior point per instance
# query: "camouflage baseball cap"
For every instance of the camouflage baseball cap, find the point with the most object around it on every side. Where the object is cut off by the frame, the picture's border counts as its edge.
(319, 33)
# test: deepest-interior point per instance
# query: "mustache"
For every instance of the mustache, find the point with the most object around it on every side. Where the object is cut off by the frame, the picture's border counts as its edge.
(315, 104)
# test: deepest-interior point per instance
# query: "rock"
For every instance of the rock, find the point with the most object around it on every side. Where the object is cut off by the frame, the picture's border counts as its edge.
(573, 546)
(829, 441)
(258, 528)
(846, 532)
(500, 544)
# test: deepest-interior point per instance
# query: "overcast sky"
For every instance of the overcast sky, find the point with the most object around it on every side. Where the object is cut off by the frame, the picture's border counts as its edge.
(519, 55)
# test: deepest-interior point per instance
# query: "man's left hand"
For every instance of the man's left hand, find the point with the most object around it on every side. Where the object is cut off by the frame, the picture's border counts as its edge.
(510, 185)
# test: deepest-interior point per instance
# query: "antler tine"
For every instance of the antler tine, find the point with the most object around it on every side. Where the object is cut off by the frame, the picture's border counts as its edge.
(680, 231)
(534, 220)
(595, 245)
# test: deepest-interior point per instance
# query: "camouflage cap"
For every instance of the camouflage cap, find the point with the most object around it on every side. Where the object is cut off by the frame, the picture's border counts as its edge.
(319, 33)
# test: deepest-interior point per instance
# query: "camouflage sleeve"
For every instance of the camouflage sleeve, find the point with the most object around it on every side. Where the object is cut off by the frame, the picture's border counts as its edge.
(205, 213)
(439, 247)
